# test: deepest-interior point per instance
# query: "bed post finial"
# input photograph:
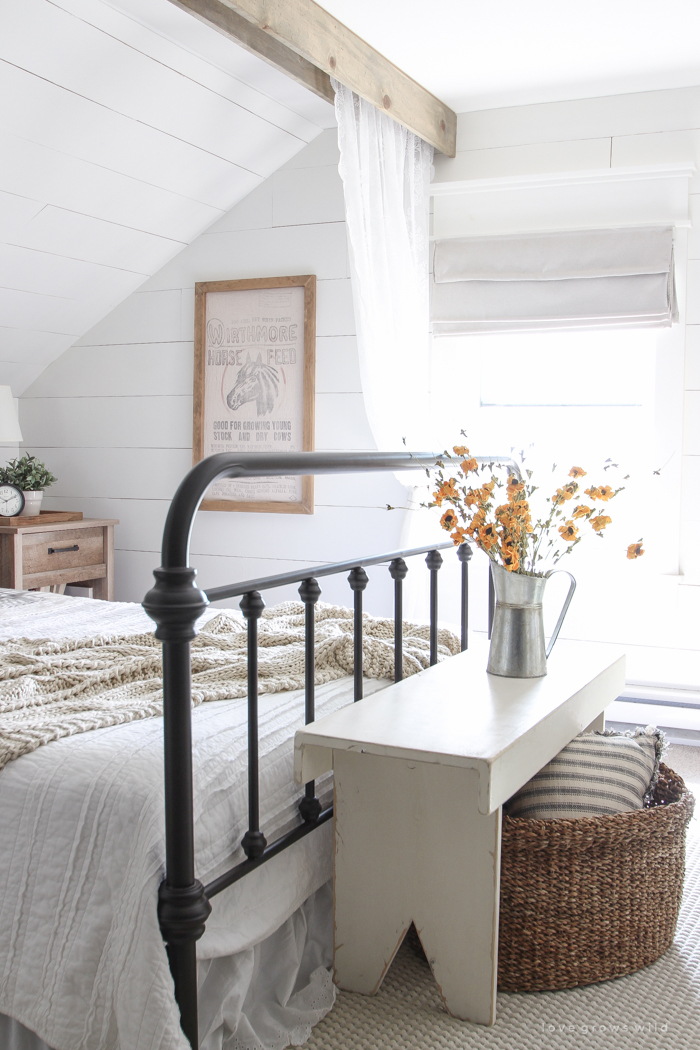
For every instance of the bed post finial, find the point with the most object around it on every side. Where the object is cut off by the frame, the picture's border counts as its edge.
(175, 603)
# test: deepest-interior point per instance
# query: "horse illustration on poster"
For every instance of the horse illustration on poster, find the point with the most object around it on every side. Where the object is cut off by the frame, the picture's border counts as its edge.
(255, 382)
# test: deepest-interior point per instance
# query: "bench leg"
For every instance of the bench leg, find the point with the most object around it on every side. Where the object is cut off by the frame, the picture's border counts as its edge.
(410, 844)
(597, 725)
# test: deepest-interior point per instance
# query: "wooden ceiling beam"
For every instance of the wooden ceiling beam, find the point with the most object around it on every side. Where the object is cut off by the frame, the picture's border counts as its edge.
(304, 41)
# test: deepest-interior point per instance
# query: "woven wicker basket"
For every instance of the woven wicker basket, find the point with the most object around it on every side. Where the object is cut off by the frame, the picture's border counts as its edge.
(593, 898)
(589, 899)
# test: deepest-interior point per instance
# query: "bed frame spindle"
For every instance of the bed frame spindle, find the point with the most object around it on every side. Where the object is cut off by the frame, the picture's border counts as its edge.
(434, 561)
(309, 592)
(464, 553)
(358, 580)
(253, 842)
(398, 570)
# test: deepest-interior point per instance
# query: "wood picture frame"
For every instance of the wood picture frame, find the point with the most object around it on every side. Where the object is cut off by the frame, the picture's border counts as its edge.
(253, 344)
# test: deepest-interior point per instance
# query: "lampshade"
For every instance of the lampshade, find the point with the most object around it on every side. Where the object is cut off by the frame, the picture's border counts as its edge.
(9, 424)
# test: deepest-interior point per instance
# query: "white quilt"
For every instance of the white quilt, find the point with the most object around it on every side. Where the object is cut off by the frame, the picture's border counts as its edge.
(82, 962)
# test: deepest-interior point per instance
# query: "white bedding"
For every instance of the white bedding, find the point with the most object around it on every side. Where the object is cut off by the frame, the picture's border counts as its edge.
(82, 962)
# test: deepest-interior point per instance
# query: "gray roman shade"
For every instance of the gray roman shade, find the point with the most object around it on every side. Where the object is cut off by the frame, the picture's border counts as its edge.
(576, 279)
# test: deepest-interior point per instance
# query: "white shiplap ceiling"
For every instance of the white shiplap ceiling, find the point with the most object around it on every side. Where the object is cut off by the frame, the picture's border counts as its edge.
(476, 55)
(126, 129)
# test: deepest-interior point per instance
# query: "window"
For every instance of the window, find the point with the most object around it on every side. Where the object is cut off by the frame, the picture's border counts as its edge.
(576, 395)
(583, 369)
(581, 398)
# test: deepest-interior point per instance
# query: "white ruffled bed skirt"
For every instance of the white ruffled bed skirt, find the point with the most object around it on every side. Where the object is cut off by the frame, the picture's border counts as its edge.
(263, 998)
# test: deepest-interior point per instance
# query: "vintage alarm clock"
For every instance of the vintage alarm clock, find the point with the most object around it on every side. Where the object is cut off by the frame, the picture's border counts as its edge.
(11, 501)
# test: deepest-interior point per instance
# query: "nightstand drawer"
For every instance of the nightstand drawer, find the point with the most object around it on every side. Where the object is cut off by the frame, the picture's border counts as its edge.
(67, 549)
(83, 574)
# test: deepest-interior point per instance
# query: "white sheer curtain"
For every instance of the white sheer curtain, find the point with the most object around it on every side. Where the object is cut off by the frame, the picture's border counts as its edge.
(386, 172)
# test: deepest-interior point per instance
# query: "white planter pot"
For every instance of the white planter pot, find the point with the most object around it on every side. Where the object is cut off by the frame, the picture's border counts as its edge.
(32, 503)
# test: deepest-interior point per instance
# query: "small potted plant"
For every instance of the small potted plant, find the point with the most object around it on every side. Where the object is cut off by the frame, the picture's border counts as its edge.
(31, 476)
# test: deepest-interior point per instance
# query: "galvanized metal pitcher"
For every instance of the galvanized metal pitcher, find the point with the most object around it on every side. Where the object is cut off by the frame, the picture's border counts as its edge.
(517, 638)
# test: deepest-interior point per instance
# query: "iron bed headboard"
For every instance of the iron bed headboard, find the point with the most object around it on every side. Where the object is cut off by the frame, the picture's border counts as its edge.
(176, 603)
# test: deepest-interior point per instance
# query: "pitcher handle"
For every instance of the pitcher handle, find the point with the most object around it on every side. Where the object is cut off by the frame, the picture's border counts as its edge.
(565, 607)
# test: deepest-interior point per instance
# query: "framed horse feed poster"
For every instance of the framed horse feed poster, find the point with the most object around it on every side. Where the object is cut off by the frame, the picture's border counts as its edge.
(254, 371)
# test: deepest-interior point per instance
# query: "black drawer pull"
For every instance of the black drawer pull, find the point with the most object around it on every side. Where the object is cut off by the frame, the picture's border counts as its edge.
(62, 550)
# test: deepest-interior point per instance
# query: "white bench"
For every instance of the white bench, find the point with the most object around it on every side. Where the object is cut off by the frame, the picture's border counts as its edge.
(421, 771)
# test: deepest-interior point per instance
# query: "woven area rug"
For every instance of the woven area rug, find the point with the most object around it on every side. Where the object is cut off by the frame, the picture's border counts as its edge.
(658, 1007)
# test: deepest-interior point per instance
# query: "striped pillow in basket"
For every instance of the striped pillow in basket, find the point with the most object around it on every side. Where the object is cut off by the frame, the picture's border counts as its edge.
(596, 774)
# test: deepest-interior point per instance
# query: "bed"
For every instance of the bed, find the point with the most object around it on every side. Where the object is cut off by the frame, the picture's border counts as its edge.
(84, 842)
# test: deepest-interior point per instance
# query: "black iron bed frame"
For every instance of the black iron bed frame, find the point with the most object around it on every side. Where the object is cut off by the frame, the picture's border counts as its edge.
(175, 603)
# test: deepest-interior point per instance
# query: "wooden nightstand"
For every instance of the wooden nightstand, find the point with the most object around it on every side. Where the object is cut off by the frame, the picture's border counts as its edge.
(52, 555)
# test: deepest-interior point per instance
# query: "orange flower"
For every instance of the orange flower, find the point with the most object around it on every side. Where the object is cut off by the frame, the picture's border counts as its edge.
(471, 497)
(635, 550)
(469, 464)
(489, 486)
(511, 561)
(446, 491)
(598, 523)
(561, 495)
(449, 520)
(521, 509)
(476, 523)
(459, 536)
(605, 492)
(577, 472)
(486, 536)
(568, 532)
(514, 487)
(460, 450)
(593, 492)
(582, 510)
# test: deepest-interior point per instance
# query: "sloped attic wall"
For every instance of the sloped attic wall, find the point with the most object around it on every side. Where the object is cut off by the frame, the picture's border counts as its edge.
(127, 128)
(112, 416)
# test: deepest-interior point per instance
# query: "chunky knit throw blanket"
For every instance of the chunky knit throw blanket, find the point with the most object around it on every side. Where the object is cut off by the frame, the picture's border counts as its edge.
(51, 689)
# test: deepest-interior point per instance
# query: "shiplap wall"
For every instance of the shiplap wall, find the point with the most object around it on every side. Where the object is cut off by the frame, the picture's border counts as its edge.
(654, 127)
(112, 416)
(124, 135)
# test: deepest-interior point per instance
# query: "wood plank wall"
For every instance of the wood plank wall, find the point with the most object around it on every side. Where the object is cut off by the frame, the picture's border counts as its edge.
(111, 164)
(113, 415)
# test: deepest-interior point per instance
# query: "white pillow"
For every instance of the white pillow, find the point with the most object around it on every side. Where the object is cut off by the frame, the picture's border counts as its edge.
(596, 774)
